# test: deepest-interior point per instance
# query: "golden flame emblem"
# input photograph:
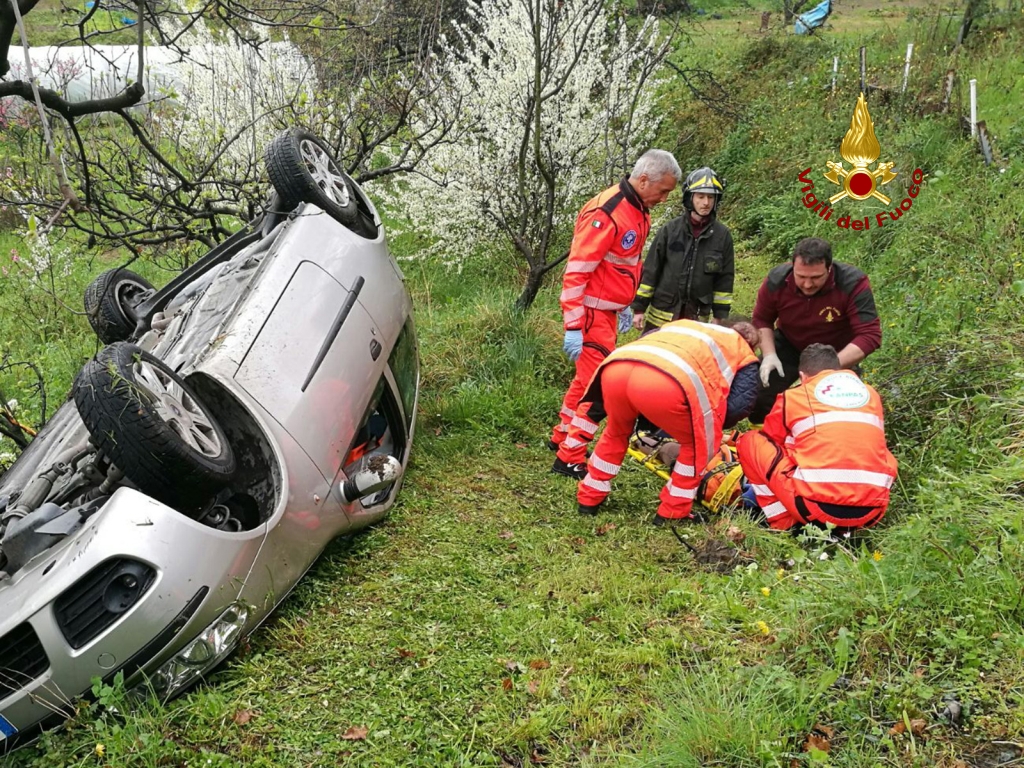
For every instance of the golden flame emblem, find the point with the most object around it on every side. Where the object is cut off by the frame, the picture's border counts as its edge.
(860, 149)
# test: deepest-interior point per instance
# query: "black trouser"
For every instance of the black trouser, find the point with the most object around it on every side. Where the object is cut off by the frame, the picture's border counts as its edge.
(790, 358)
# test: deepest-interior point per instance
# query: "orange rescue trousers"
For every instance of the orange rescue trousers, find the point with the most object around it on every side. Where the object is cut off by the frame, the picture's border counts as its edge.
(629, 389)
(574, 430)
(770, 473)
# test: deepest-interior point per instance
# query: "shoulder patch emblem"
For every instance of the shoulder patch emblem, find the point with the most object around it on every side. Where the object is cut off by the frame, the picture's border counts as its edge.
(629, 239)
(595, 224)
(842, 389)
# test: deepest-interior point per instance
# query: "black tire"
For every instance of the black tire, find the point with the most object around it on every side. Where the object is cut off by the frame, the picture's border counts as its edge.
(109, 301)
(142, 415)
(291, 160)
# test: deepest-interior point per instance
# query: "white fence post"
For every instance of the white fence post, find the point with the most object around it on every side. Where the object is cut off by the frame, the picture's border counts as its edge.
(974, 107)
(835, 69)
(906, 67)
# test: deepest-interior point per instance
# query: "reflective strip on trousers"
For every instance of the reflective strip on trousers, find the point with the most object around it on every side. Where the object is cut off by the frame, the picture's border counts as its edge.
(684, 470)
(761, 490)
(840, 476)
(775, 509)
(605, 466)
(605, 486)
(698, 385)
(582, 423)
(835, 417)
(681, 493)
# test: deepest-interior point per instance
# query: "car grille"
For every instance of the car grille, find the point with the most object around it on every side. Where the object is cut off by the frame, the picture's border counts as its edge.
(22, 659)
(101, 598)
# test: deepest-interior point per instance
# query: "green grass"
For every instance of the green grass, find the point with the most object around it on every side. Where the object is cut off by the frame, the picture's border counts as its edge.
(487, 624)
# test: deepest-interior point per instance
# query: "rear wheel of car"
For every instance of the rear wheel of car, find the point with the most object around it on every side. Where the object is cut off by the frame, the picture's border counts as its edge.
(109, 301)
(303, 170)
(152, 426)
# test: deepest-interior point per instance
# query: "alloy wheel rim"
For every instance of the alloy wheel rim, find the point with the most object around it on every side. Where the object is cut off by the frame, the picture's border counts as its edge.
(325, 173)
(178, 409)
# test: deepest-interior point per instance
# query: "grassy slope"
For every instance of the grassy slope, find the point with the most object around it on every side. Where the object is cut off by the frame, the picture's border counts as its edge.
(486, 624)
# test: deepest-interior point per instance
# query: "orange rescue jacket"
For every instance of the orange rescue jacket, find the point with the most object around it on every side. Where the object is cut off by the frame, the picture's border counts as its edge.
(604, 264)
(703, 359)
(832, 428)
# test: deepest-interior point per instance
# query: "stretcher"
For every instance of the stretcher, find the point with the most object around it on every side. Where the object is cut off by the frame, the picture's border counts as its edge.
(721, 482)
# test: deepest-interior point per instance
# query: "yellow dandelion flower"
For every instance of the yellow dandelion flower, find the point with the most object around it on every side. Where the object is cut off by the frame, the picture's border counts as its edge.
(764, 628)
(766, 591)
(781, 573)
(876, 556)
(100, 750)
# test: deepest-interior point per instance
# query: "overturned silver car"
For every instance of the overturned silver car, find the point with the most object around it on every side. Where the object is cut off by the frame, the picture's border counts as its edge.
(259, 405)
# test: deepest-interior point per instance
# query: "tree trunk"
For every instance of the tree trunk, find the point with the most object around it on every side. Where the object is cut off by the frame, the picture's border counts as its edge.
(534, 280)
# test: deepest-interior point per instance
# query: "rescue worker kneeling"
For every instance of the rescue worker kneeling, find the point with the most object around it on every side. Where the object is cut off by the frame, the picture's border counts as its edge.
(821, 456)
(690, 379)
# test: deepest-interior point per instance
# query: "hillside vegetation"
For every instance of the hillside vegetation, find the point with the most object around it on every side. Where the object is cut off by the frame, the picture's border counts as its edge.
(487, 624)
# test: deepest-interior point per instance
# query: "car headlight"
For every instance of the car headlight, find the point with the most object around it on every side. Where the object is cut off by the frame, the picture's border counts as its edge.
(202, 654)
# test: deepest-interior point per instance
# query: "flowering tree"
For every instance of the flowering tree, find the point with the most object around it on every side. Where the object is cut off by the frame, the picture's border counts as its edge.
(149, 160)
(556, 102)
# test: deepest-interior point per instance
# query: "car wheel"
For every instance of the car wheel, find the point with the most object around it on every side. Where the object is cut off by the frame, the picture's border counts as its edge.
(302, 169)
(152, 426)
(109, 301)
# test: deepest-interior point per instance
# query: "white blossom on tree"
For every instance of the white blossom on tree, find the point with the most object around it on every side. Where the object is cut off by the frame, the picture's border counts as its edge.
(557, 102)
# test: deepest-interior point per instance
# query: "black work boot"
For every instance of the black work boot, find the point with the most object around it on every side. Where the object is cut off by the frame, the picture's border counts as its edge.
(588, 509)
(552, 445)
(575, 471)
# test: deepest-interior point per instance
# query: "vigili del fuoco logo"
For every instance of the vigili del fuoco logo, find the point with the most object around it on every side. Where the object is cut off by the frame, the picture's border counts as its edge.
(860, 149)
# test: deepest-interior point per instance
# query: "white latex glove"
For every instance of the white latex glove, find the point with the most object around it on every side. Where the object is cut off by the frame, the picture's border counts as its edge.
(625, 319)
(768, 364)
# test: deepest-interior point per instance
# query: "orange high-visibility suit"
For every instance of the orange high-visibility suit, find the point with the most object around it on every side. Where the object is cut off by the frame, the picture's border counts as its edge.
(677, 377)
(600, 279)
(821, 456)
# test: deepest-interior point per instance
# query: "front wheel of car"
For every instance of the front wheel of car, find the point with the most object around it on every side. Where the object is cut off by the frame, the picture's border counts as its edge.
(153, 427)
(110, 301)
(303, 169)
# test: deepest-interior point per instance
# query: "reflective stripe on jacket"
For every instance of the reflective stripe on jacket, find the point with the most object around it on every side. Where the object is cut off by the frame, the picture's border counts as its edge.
(604, 261)
(832, 427)
(703, 359)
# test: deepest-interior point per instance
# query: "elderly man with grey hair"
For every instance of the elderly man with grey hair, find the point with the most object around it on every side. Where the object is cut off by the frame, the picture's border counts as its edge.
(601, 278)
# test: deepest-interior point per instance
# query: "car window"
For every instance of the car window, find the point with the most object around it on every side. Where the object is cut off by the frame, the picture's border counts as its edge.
(404, 364)
(381, 433)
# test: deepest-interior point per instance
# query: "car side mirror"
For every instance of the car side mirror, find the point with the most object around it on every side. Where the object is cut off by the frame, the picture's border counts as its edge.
(381, 471)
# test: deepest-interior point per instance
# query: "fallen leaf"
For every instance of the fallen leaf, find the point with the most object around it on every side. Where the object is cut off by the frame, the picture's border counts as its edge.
(532, 687)
(917, 727)
(898, 729)
(506, 535)
(537, 757)
(515, 667)
(437, 431)
(243, 716)
(825, 730)
(591, 619)
(540, 664)
(735, 534)
(578, 541)
(355, 733)
(603, 529)
(404, 653)
(520, 446)
(513, 546)
(506, 683)
(814, 741)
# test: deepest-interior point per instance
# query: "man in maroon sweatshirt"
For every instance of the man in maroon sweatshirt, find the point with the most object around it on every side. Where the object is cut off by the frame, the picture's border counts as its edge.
(807, 301)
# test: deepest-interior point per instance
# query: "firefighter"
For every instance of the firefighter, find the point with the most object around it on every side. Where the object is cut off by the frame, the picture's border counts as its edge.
(821, 455)
(689, 270)
(689, 379)
(811, 300)
(600, 281)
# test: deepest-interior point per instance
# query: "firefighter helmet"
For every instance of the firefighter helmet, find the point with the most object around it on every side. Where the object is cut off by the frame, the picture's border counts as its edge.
(702, 180)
